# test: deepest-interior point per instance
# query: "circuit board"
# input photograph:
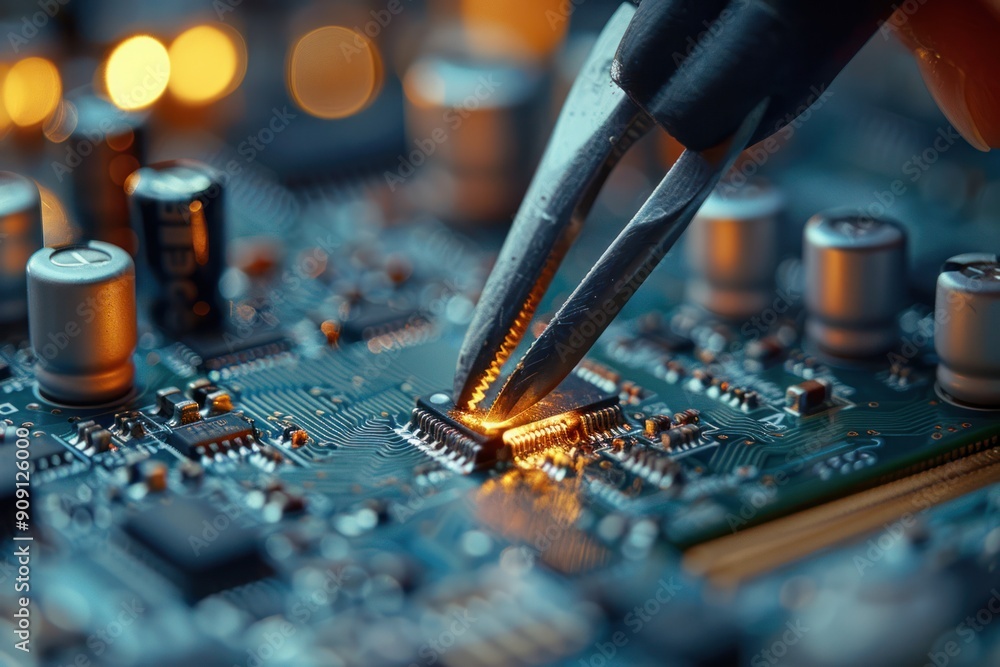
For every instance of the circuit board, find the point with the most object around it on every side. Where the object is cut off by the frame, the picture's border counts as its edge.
(294, 485)
(749, 468)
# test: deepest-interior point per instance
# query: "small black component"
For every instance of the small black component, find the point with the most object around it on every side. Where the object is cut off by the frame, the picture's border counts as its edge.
(807, 397)
(373, 320)
(201, 548)
(212, 435)
(5, 371)
(216, 352)
(48, 451)
(93, 435)
(175, 406)
(128, 424)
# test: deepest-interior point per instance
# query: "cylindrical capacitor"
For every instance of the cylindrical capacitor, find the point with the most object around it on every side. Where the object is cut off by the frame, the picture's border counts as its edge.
(106, 146)
(471, 123)
(179, 207)
(20, 236)
(966, 328)
(732, 251)
(855, 281)
(82, 322)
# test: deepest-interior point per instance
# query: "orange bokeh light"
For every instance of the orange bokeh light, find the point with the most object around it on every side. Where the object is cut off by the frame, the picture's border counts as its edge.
(334, 72)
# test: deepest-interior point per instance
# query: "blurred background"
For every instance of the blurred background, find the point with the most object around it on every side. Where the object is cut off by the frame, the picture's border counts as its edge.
(440, 106)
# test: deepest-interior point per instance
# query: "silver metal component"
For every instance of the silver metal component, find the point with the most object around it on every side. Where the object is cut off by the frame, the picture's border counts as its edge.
(82, 322)
(732, 250)
(20, 236)
(472, 125)
(855, 274)
(966, 326)
(597, 125)
(619, 272)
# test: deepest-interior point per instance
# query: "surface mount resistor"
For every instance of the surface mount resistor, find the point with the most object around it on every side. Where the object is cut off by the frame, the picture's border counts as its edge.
(681, 435)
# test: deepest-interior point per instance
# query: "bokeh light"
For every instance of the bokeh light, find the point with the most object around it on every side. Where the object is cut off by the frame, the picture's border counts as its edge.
(207, 62)
(529, 28)
(137, 72)
(59, 126)
(334, 72)
(31, 91)
(5, 121)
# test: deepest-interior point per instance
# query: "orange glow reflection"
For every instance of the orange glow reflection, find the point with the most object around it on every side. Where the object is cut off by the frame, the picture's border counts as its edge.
(137, 72)
(199, 233)
(521, 27)
(207, 62)
(31, 91)
(56, 226)
(334, 72)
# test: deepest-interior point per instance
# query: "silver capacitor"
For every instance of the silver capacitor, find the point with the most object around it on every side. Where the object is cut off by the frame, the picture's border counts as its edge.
(20, 236)
(82, 322)
(470, 124)
(966, 328)
(732, 251)
(855, 281)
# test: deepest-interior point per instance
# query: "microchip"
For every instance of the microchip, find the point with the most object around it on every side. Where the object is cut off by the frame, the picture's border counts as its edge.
(374, 320)
(211, 436)
(217, 352)
(574, 412)
(48, 451)
(447, 438)
(201, 548)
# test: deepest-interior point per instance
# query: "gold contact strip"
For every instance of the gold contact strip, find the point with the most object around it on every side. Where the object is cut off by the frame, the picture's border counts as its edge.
(731, 559)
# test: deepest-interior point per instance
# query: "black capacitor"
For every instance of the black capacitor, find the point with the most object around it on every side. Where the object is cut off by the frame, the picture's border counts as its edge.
(106, 146)
(179, 207)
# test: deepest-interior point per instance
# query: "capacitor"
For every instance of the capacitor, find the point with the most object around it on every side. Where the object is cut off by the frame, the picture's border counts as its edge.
(106, 145)
(179, 207)
(470, 124)
(966, 326)
(732, 251)
(20, 236)
(855, 281)
(82, 322)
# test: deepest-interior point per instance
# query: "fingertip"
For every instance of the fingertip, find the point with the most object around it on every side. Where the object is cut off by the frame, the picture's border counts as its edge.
(954, 43)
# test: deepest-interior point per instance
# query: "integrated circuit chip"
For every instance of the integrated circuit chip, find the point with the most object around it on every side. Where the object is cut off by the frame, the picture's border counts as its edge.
(211, 436)
(215, 352)
(201, 548)
(573, 413)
